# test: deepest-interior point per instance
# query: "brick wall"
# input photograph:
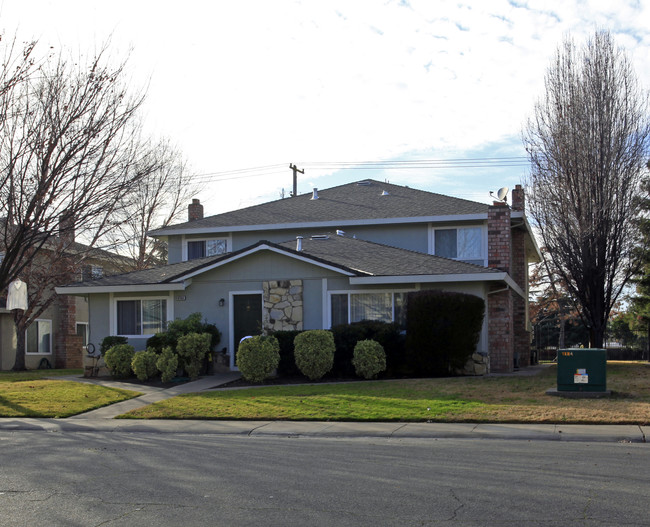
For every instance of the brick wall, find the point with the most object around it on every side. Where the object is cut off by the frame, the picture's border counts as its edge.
(499, 237)
(68, 352)
(500, 334)
(500, 304)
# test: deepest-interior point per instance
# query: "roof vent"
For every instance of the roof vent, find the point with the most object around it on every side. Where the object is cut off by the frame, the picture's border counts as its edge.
(385, 193)
(298, 243)
(315, 194)
(320, 237)
(339, 232)
(364, 183)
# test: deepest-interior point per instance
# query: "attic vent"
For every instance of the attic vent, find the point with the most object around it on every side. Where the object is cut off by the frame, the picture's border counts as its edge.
(320, 237)
(385, 193)
(315, 194)
(364, 183)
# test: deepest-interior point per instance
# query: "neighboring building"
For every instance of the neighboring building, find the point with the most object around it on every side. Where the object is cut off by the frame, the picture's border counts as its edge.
(58, 337)
(338, 255)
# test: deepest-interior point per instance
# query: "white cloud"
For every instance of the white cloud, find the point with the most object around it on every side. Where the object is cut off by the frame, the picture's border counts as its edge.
(253, 83)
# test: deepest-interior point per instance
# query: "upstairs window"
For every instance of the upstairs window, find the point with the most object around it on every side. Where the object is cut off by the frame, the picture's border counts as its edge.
(463, 243)
(91, 272)
(203, 248)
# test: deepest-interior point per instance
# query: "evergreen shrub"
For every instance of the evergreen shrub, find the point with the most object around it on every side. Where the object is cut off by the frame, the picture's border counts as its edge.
(167, 364)
(178, 328)
(110, 341)
(314, 352)
(192, 349)
(258, 357)
(287, 366)
(388, 334)
(442, 332)
(369, 359)
(144, 364)
(118, 359)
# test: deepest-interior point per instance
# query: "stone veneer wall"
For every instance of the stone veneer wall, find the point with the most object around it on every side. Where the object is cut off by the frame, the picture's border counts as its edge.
(283, 305)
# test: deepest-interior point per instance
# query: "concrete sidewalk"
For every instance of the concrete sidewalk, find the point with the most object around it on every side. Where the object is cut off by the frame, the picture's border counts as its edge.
(150, 394)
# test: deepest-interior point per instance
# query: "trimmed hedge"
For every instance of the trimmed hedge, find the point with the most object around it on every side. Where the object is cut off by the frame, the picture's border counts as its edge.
(178, 328)
(110, 341)
(118, 360)
(443, 330)
(144, 364)
(369, 359)
(167, 364)
(287, 366)
(314, 352)
(192, 349)
(258, 357)
(388, 334)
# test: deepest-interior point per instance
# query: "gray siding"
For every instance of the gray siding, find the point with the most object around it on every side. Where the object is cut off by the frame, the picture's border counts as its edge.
(98, 311)
(413, 237)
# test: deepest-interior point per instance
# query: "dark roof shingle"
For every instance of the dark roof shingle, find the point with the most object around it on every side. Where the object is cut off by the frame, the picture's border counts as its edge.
(363, 200)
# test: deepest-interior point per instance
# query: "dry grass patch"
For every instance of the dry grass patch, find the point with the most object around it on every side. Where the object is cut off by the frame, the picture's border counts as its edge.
(515, 399)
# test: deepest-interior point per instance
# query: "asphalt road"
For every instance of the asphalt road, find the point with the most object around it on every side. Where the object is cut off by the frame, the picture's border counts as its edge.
(127, 479)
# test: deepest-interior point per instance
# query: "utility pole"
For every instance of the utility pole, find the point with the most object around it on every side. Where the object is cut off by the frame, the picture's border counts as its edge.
(295, 178)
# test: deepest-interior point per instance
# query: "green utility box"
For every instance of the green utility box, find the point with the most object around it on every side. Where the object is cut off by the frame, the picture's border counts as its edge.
(582, 370)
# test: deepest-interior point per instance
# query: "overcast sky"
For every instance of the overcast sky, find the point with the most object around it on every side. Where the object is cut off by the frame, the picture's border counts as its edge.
(265, 83)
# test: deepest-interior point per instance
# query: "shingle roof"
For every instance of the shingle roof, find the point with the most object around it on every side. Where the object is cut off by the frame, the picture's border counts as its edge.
(374, 259)
(363, 200)
(358, 257)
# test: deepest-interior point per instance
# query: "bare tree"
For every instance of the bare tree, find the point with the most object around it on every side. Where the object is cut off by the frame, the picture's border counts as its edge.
(588, 143)
(70, 150)
(157, 200)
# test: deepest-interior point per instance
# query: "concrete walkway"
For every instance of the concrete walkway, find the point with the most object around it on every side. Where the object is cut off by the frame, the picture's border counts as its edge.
(102, 420)
(150, 394)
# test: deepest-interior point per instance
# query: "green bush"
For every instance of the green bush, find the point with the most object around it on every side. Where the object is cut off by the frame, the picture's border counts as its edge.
(109, 342)
(192, 349)
(167, 364)
(258, 357)
(369, 359)
(443, 330)
(118, 360)
(287, 366)
(388, 334)
(144, 364)
(314, 352)
(178, 328)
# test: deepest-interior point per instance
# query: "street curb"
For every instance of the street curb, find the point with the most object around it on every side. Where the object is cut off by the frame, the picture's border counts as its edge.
(338, 430)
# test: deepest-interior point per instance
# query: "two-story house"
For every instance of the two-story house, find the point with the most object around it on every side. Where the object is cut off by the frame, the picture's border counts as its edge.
(337, 255)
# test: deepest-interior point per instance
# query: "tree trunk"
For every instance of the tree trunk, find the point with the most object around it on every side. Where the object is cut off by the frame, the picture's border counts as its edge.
(19, 363)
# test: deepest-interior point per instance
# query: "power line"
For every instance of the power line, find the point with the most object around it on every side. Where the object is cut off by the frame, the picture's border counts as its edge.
(435, 164)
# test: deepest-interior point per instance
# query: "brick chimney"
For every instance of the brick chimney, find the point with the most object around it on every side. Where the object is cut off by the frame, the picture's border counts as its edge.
(195, 210)
(67, 227)
(518, 198)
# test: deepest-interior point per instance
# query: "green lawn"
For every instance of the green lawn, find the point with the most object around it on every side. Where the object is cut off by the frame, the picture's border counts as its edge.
(28, 394)
(460, 399)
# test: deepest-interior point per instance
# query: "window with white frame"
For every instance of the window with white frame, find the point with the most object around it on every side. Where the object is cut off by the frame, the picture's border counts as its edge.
(38, 337)
(203, 248)
(354, 307)
(82, 331)
(462, 243)
(141, 317)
